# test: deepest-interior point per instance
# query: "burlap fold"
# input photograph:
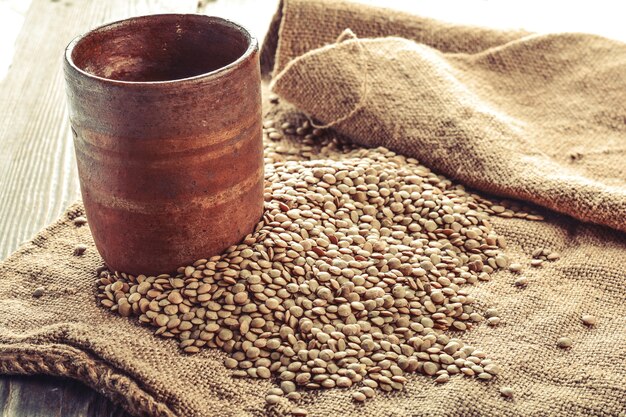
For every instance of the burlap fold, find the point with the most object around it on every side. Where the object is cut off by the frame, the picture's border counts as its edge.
(65, 332)
(534, 117)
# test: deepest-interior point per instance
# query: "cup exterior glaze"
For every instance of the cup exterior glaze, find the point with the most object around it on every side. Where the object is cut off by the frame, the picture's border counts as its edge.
(170, 171)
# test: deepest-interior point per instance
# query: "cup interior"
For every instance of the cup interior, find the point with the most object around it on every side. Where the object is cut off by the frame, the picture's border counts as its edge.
(160, 48)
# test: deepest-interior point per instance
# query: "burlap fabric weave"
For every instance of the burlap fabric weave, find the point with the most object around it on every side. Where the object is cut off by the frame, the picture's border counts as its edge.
(536, 117)
(527, 116)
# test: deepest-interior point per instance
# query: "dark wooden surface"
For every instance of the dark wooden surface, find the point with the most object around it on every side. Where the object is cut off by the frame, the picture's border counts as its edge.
(39, 396)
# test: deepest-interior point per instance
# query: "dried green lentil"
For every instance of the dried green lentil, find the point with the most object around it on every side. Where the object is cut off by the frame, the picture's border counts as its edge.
(589, 320)
(80, 220)
(506, 392)
(564, 342)
(80, 249)
(362, 256)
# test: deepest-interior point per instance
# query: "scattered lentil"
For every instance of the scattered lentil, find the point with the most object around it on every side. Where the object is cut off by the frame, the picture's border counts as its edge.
(542, 254)
(443, 378)
(506, 392)
(294, 396)
(359, 396)
(493, 321)
(272, 399)
(352, 276)
(80, 249)
(287, 386)
(589, 320)
(564, 342)
(369, 392)
(553, 256)
(521, 282)
(80, 220)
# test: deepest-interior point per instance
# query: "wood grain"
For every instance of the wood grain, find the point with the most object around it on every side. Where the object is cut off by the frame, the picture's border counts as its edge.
(40, 396)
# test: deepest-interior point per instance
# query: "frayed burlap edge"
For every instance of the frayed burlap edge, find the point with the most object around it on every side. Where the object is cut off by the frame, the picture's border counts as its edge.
(66, 361)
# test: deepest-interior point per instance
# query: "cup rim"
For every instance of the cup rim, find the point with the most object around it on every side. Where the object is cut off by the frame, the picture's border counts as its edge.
(252, 47)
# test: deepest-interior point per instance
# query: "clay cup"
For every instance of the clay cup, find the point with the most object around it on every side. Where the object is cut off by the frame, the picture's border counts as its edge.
(165, 112)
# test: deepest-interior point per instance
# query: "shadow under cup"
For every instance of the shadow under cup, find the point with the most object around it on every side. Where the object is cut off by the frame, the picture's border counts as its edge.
(166, 116)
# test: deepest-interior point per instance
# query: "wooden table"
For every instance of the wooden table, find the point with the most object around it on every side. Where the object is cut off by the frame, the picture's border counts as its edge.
(38, 176)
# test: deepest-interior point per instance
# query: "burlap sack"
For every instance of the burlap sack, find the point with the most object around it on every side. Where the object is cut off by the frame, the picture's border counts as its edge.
(66, 333)
(540, 118)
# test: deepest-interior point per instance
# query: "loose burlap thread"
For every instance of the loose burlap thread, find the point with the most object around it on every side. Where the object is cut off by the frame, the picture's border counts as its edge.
(66, 333)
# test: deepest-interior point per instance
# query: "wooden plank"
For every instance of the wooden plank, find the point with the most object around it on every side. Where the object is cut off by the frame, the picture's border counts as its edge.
(11, 20)
(24, 399)
(40, 396)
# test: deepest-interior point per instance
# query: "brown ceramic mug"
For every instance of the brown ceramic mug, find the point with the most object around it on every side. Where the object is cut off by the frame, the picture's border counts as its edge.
(166, 117)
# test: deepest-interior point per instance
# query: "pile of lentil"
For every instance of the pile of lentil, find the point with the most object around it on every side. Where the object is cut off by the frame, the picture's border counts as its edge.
(355, 276)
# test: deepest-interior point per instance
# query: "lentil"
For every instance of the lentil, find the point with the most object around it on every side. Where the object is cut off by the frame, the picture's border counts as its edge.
(506, 392)
(521, 282)
(361, 255)
(589, 320)
(564, 342)
(80, 220)
(80, 249)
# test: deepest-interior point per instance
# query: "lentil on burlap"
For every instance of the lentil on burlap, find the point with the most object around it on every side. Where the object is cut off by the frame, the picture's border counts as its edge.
(352, 276)
(64, 329)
